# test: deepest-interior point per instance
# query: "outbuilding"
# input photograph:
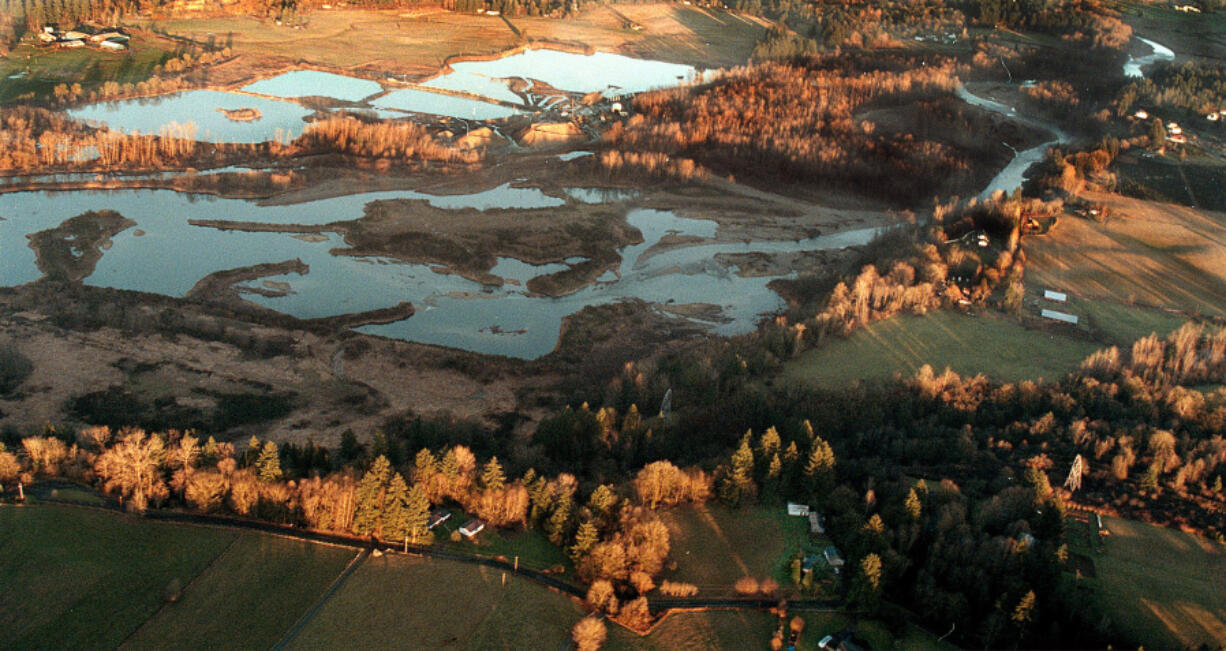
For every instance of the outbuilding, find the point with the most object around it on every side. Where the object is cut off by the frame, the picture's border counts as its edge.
(833, 557)
(437, 517)
(472, 528)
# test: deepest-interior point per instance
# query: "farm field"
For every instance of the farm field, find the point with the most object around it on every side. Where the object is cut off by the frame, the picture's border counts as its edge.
(419, 42)
(1149, 253)
(414, 602)
(262, 582)
(77, 578)
(995, 346)
(1161, 586)
(531, 546)
(714, 546)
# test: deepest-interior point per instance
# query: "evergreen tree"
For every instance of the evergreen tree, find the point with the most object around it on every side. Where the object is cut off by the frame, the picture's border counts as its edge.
(540, 500)
(738, 484)
(819, 471)
(368, 500)
(252, 451)
(866, 586)
(585, 539)
(417, 513)
(492, 477)
(268, 465)
(559, 522)
(601, 502)
(450, 465)
(351, 450)
(395, 516)
(424, 465)
(914, 507)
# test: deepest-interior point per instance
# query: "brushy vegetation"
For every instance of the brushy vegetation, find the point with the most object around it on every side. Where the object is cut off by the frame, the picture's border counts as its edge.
(793, 123)
(14, 367)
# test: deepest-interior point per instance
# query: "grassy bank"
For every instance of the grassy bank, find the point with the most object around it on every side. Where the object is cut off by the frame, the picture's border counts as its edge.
(995, 346)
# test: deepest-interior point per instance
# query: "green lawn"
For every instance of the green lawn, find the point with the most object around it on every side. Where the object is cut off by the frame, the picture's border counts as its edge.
(248, 598)
(531, 546)
(1121, 325)
(714, 629)
(42, 69)
(428, 603)
(993, 345)
(748, 629)
(75, 578)
(1163, 588)
(714, 546)
(77, 495)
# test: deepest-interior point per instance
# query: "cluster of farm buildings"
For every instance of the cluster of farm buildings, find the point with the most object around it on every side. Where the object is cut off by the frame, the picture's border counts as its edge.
(106, 39)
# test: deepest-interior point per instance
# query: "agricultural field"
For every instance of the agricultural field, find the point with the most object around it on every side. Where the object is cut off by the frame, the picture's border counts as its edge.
(78, 578)
(419, 42)
(1148, 253)
(262, 581)
(1162, 587)
(714, 546)
(428, 603)
(987, 343)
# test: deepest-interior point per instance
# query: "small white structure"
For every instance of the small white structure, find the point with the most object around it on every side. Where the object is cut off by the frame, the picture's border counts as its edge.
(1213, 117)
(1059, 297)
(1141, 115)
(472, 528)
(1060, 316)
(1188, 9)
(72, 44)
(112, 45)
(800, 510)
(817, 524)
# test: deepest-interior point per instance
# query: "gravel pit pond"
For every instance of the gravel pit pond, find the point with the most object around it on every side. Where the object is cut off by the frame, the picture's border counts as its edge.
(163, 253)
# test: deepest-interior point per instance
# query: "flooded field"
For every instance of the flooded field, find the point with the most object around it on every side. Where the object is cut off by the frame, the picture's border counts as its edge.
(603, 72)
(268, 109)
(157, 249)
(198, 115)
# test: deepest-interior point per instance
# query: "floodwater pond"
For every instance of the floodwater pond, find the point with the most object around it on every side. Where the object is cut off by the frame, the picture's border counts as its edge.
(423, 101)
(612, 74)
(313, 83)
(163, 253)
(201, 110)
(1134, 66)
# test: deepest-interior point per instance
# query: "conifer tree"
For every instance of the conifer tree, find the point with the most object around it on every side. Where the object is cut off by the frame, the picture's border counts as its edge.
(394, 519)
(417, 513)
(738, 484)
(268, 465)
(368, 508)
(492, 477)
(819, 470)
(585, 539)
(424, 465)
(914, 507)
(559, 521)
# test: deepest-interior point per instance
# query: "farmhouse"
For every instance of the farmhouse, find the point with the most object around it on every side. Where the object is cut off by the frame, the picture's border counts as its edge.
(437, 517)
(112, 45)
(817, 523)
(472, 528)
(808, 564)
(800, 510)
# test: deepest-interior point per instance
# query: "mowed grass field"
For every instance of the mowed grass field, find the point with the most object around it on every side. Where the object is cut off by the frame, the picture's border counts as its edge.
(1150, 253)
(262, 583)
(81, 579)
(1163, 588)
(714, 546)
(748, 629)
(987, 343)
(405, 602)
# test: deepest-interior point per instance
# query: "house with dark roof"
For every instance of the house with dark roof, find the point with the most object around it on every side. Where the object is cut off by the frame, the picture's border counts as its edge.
(472, 528)
(437, 517)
